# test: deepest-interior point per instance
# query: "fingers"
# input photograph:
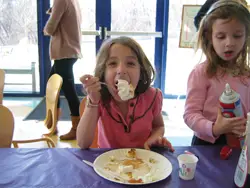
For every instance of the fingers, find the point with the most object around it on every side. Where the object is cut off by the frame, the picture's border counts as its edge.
(151, 142)
(238, 120)
(240, 130)
(219, 113)
(84, 79)
(88, 79)
(146, 146)
(237, 123)
(237, 132)
(160, 141)
(93, 88)
(167, 144)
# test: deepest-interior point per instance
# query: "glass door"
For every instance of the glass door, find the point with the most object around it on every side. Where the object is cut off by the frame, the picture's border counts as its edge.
(134, 18)
(90, 35)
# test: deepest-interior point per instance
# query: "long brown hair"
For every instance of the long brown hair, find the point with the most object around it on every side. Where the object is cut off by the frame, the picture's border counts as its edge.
(224, 9)
(147, 73)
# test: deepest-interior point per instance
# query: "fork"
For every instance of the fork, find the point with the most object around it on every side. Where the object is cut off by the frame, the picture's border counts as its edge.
(110, 173)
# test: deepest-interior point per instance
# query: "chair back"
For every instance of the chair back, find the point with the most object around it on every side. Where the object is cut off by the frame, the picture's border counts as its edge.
(2, 78)
(53, 88)
(6, 127)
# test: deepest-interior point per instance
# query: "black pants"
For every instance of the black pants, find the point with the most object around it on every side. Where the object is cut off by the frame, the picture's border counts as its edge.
(220, 141)
(64, 67)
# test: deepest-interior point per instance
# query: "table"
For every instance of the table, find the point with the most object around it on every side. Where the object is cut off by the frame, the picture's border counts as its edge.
(62, 167)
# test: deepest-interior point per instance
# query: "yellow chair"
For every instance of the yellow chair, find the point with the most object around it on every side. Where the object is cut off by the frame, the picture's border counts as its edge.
(2, 78)
(81, 110)
(6, 127)
(31, 131)
(53, 88)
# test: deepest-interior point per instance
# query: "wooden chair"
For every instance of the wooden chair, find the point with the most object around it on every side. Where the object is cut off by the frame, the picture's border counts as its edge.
(31, 131)
(53, 88)
(2, 78)
(6, 127)
(81, 110)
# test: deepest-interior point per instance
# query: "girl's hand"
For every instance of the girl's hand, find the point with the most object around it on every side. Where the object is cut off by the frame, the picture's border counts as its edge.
(222, 125)
(160, 142)
(92, 87)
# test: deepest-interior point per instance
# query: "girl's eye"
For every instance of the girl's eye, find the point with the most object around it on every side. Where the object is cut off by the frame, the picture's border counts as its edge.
(220, 37)
(237, 36)
(112, 64)
(131, 63)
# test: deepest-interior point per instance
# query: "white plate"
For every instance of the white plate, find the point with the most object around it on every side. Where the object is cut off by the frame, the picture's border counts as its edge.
(160, 170)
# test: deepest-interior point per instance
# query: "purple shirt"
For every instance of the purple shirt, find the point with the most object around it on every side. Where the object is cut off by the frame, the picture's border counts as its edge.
(133, 130)
(203, 100)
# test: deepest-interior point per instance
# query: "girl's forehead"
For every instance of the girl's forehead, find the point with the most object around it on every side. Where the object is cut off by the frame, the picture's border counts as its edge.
(228, 25)
(120, 50)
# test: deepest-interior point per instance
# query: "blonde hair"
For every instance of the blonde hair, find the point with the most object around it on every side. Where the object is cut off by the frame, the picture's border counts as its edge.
(147, 73)
(224, 9)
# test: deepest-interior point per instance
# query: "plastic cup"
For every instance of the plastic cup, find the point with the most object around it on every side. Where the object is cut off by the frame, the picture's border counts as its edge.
(187, 166)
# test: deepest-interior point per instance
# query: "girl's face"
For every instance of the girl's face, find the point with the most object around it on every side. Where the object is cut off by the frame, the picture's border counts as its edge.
(121, 64)
(228, 38)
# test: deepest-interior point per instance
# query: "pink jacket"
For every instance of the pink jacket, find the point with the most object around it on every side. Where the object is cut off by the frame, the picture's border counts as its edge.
(203, 100)
(64, 27)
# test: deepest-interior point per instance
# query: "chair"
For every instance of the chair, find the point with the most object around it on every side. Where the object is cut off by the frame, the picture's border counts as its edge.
(53, 88)
(6, 127)
(81, 110)
(31, 131)
(2, 78)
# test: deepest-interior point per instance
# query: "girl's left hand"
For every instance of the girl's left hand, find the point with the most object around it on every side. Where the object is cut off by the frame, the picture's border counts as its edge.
(160, 142)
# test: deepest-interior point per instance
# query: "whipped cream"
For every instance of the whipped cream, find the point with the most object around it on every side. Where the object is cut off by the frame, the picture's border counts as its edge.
(125, 169)
(125, 90)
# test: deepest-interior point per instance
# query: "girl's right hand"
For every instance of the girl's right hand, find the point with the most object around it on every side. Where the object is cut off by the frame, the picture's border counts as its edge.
(92, 86)
(222, 125)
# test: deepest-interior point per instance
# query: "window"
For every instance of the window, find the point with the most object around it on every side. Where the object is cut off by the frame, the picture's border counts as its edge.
(19, 45)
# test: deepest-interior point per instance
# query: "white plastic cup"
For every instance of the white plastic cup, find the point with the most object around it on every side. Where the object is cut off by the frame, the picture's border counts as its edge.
(187, 166)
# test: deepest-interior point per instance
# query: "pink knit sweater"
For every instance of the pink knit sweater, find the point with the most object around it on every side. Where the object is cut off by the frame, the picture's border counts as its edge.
(64, 27)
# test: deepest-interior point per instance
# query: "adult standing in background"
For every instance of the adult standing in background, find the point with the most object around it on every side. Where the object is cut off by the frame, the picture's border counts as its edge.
(203, 10)
(64, 28)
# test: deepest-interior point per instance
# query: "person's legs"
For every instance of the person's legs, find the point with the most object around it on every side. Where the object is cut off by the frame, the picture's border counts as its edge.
(64, 68)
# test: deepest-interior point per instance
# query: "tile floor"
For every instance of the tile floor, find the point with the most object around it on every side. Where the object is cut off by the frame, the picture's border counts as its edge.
(176, 130)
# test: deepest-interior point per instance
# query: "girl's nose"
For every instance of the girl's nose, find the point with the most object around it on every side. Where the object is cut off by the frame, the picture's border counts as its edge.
(229, 42)
(121, 69)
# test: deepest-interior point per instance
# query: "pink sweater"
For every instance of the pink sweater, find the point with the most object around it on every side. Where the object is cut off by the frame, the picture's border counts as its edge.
(64, 27)
(203, 100)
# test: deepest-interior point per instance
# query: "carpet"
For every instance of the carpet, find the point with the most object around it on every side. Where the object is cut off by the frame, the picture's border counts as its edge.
(39, 112)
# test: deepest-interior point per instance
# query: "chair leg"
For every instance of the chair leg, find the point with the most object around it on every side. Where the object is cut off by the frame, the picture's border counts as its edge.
(50, 142)
(15, 144)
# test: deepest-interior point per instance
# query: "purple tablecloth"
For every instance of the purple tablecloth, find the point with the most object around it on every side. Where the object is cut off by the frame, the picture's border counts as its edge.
(63, 168)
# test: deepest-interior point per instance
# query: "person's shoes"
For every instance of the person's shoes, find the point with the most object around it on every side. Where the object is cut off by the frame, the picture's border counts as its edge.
(71, 135)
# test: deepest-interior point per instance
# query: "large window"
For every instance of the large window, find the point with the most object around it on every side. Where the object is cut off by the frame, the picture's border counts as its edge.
(136, 16)
(19, 45)
(180, 61)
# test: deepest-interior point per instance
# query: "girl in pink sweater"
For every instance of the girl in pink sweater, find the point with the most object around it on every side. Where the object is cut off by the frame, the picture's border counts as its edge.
(224, 37)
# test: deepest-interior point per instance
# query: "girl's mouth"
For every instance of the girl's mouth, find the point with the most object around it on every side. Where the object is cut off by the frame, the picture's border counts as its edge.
(228, 53)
